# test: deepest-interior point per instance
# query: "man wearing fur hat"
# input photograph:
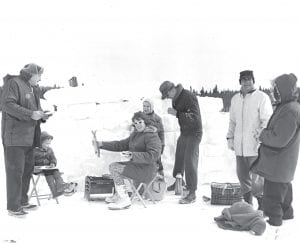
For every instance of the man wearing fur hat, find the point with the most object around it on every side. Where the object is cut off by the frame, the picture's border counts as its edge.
(186, 109)
(21, 117)
(250, 111)
(278, 153)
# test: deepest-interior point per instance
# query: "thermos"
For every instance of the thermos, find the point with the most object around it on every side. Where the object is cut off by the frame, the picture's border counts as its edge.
(178, 184)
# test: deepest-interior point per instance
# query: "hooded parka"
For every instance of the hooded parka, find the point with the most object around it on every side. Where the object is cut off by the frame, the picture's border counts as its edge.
(278, 154)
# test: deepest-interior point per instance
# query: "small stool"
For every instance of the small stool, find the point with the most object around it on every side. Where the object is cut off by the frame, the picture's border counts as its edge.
(34, 191)
(140, 196)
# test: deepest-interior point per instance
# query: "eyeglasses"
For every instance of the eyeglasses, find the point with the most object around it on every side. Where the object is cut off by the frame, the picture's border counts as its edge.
(138, 122)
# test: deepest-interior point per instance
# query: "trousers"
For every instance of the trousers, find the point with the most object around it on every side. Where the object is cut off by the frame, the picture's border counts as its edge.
(19, 167)
(186, 159)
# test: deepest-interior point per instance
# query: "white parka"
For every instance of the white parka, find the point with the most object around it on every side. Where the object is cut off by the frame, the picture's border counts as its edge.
(248, 115)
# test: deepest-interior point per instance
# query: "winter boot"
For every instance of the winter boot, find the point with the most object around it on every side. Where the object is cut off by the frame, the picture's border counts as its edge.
(70, 188)
(123, 201)
(274, 221)
(248, 197)
(52, 185)
(260, 203)
(189, 198)
(288, 214)
(112, 199)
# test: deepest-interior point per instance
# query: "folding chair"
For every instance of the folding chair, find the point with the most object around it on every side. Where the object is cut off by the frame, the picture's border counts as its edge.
(138, 195)
(34, 192)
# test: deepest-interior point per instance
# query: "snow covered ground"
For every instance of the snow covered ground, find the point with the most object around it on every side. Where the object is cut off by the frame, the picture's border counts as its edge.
(109, 110)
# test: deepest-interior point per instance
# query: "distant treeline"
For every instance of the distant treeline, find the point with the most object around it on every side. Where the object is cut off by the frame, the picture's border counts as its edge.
(226, 95)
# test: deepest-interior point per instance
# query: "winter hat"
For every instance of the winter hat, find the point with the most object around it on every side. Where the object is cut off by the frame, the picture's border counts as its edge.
(151, 104)
(31, 69)
(165, 87)
(246, 73)
(45, 136)
(287, 87)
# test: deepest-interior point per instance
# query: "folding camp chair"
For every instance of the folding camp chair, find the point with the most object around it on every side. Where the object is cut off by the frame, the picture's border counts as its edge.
(34, 191)
(140, 192)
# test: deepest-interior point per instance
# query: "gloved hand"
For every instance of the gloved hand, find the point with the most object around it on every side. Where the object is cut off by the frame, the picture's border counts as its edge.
(230, 144)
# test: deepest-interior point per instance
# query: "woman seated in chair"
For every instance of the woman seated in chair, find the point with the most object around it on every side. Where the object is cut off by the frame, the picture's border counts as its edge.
(142, 149)
(44, 156)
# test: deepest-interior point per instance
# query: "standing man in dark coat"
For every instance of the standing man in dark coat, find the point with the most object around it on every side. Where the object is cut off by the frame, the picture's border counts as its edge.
(278, 154)
(21, 116)
(186, 108)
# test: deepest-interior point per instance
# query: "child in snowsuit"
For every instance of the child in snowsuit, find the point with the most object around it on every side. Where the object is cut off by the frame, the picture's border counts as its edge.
(44, 156)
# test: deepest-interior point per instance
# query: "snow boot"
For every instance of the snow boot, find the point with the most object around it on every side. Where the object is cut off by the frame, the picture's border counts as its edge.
(248, 197)
(288, 214)
(70, 189)
(52, 185)
(123, 201)
(112, 199)
(189, 198)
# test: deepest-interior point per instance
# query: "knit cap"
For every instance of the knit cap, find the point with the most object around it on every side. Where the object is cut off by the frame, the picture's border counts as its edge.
(44, 136)
(31, 69)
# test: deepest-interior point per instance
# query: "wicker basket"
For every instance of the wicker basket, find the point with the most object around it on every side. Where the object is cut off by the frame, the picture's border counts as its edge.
(225, 193)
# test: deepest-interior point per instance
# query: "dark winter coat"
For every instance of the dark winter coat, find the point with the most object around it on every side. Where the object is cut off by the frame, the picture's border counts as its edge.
(18, 102)
(188, 111)
(278, 154)
(156, 121)
(43, 156)
(145, 147)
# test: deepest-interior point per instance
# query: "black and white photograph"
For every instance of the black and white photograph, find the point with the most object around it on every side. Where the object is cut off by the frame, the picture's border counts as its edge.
(149, 121)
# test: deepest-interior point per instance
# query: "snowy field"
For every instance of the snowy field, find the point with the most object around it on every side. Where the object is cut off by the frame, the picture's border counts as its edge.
(109, 110)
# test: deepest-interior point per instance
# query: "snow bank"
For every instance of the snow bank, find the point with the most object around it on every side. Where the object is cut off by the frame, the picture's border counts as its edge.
(108, 111)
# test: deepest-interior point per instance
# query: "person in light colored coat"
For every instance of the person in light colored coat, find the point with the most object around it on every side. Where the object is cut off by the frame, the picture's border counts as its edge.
(249, 113)
(279, 151)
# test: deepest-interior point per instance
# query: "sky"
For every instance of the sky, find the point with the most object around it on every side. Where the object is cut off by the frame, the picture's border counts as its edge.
(135, 42)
